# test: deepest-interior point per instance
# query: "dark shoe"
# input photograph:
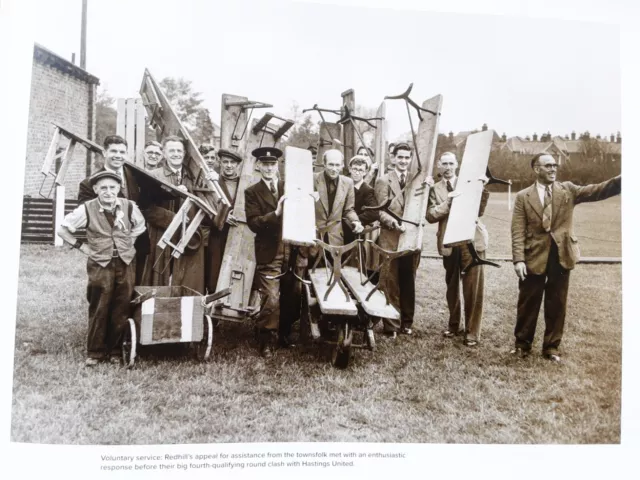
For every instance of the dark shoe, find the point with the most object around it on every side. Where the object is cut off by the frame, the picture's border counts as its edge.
(470, 343)
(113, 359)
(265, 351)
(553, 357)
(406, 331)
(284, 342)
(520, 352)
(390, 335)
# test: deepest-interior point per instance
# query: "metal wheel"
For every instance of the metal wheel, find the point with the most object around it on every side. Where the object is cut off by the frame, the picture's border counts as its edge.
(341, 353)
(129, 343)
(204, 346)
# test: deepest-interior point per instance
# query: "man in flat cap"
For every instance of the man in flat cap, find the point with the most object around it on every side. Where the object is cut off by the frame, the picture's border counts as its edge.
(112, 223)
(115, 155)
(230, 164)
(263, 208)
(161, 267)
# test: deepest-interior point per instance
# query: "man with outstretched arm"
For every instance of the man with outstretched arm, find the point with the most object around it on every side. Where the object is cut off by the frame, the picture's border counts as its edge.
(545, 250)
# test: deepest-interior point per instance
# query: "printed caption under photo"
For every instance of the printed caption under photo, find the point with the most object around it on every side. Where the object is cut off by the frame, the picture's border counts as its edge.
(241, 460)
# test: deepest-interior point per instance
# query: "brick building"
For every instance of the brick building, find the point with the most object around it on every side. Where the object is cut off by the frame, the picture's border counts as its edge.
(63, 93)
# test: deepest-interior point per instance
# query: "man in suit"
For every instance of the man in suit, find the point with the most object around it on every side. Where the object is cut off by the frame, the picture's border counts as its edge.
(263, 209)
(336, 200)
(230, 163)
(455, 259)
(545, 250)
(161, 267)
(115, 154)
(400, 285)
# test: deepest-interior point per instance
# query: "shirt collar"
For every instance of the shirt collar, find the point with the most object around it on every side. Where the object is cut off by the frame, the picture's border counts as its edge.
(359, 184)
(117, 172)
(331, 180)
(104, 208)
(453, 180)
(399, 173)
(173, 170)
(542, 187)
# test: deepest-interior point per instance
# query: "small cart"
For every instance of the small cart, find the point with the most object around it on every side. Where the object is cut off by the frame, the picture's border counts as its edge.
(174, 314)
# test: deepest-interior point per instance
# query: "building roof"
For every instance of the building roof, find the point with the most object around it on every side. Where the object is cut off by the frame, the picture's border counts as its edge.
(47, 57)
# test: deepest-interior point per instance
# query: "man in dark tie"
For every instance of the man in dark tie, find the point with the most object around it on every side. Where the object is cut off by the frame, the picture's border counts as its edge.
(263, 210)
(455, 259)
(161, 267)
(400, 285)
(336, 200)
(545, 250)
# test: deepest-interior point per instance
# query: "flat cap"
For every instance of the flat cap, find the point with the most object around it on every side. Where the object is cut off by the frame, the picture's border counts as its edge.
(223, 152)
(96, 177)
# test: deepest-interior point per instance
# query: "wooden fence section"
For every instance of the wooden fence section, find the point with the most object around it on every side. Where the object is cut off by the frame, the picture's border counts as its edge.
(38, 220)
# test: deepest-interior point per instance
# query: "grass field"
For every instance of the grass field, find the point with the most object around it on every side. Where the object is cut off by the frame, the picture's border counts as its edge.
(423, 389)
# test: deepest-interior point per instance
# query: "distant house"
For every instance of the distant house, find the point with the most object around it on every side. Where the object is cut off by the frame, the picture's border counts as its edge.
(525, 149)
(579, 150)
(65, 94)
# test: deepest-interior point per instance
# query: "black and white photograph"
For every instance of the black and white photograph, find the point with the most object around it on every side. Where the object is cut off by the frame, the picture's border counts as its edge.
(281, 222)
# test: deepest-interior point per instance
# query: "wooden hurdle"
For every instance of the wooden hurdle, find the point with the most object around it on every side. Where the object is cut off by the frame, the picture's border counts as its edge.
(131, 126)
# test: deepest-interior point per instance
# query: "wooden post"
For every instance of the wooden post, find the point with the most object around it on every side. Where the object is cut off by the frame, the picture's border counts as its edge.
(348, 132)
(83, 37)
(509, 197)
(58, 215)
(130, 125)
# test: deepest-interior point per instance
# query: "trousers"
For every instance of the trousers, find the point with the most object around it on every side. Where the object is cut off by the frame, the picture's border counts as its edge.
(109, 291)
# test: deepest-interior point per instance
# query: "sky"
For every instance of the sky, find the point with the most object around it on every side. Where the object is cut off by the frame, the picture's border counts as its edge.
(517, 75)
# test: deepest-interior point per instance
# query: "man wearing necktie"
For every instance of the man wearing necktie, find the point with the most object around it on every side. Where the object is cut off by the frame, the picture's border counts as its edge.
(545, 250)
(455, 259)
(401, 283)
(115, 154)
(263, 210)
(336, 200)
(161, 268)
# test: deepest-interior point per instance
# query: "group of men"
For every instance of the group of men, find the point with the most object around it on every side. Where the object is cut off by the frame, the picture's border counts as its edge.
(123, 229)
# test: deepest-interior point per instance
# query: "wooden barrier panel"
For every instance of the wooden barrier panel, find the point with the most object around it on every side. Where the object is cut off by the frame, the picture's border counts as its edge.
(299, 214)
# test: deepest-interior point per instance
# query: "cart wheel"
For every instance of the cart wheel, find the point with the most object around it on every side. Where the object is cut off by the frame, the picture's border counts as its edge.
(341, 353)
(129, 344)
(204, 347)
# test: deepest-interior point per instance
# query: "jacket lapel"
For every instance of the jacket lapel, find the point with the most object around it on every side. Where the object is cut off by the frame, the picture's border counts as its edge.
(266, 194)
(534, 199)
(558, 198)
(341, 193)
(442, 194)
(398, 194)
(321, 187)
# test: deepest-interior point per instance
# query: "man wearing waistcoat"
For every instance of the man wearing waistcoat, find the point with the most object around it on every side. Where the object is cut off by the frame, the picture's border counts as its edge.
(112, 224)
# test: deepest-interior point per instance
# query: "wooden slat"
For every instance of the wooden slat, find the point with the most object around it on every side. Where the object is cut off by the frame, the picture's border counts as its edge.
(377, 305)
(327, 131)
(130, 128)
(417, 195)
(380, 143)
(140, 134)
(336, 303)
(121, 118)
(67, 158)
(51, 153)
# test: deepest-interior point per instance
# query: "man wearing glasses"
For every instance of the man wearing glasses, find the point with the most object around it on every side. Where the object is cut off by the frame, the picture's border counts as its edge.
(152, 155)
(545, 250)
